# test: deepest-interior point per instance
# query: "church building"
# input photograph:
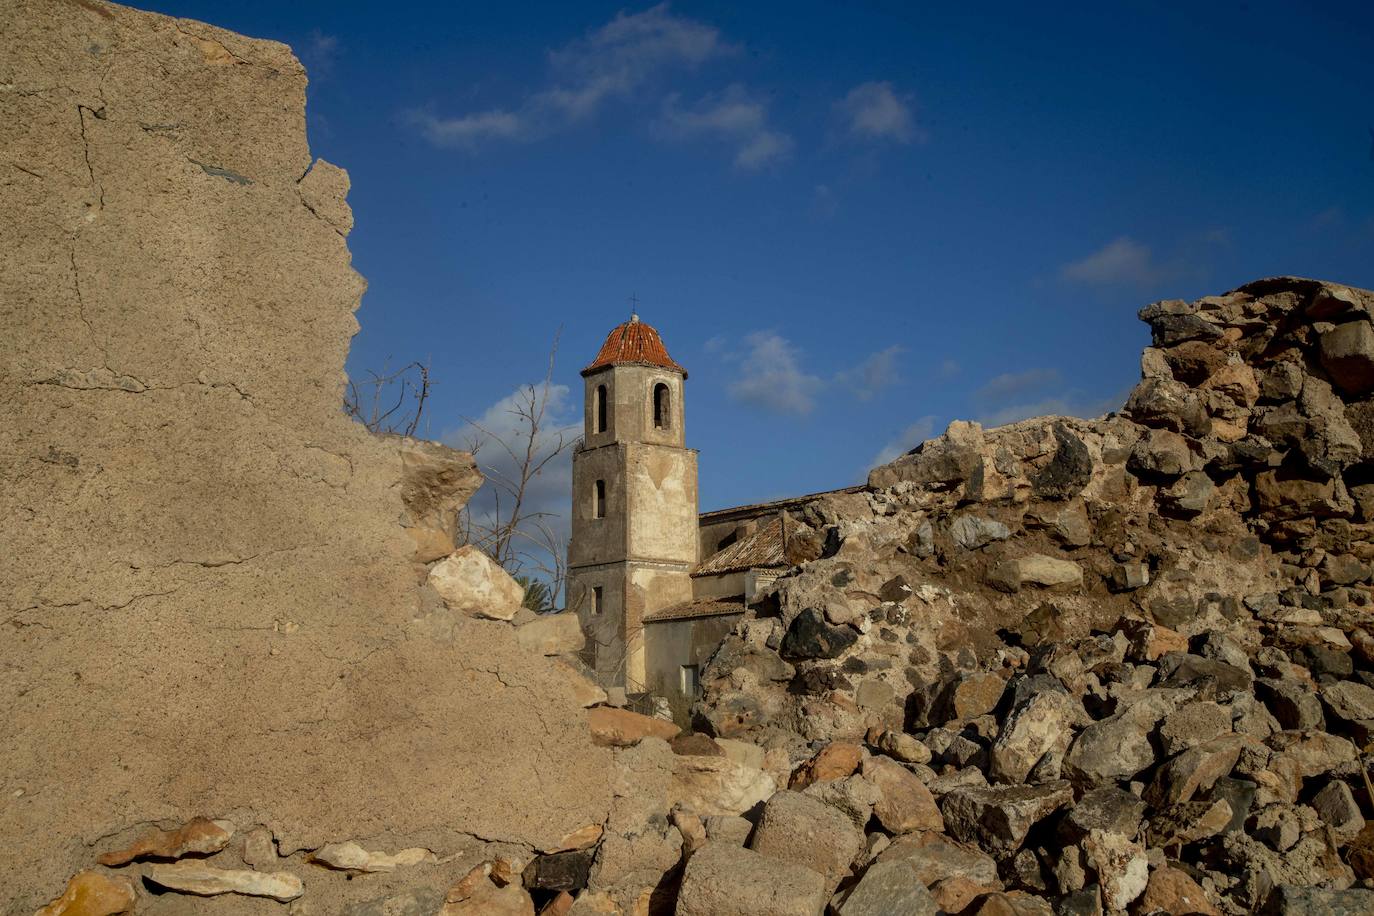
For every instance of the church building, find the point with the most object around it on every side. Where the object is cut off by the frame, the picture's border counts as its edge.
(656, 584)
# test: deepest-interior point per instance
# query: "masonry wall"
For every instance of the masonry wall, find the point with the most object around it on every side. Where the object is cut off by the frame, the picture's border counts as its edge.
(642, 551)
(725, 585)
(662, 503)
(599, 540)
(210, 607)
(674, 643)
(630, 391)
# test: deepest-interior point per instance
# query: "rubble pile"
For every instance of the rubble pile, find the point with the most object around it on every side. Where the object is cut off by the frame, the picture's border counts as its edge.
(1068, 666)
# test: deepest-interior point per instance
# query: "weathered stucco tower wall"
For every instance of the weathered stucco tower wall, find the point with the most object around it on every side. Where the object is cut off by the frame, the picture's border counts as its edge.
(634, 520)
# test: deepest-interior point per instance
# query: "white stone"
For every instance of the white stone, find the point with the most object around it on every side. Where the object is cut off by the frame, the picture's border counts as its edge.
(719, 785)
(746, 753)
(472, 583)
(259, 847)
(1036, 569)
(1121, 865)
(974, 531)
(350, 856)
(207, 881)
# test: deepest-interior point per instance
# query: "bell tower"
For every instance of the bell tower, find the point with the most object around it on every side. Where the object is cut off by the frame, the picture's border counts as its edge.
(634, 505)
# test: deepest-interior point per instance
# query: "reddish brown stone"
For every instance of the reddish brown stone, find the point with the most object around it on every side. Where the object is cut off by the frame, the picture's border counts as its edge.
(581, 838)
(976, 695)
(1171, 891)
(91, 893)
(954, 894)
(1360, 852)
(907, 804)
(198, 835)
(622, 728)
(836, 760)
(558, 906)
(696, 745)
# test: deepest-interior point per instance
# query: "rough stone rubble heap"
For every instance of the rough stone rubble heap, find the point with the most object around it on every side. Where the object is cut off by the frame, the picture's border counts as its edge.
(1092, 666)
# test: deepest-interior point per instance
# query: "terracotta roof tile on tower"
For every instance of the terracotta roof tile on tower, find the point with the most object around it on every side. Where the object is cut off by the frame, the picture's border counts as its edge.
(634, 343)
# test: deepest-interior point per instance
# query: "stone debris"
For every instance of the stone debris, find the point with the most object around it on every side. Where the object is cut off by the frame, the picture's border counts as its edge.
(560, 905)
(834, 761)
(259, 847)
(1129, 666)
(582, 838)
(585, 691)
(1171, 890)
(905, 804)
(721, 879)
(621, 728)
(93, 893)
(804, 830)
(470, 582)
(350, 856)
(197, 836)
(560, 871)
(999, 817)
(208, 881)
(886, 888)
(487, 889)
(899, 745)
(1035, 570)
(719, 785)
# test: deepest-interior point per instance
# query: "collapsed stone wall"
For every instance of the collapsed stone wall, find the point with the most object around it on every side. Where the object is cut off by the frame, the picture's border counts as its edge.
(1116, 663)
(210, 587)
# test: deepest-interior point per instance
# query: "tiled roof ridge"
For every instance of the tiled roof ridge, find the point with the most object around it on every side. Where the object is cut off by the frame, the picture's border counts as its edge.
(765, 547)
(698, 607)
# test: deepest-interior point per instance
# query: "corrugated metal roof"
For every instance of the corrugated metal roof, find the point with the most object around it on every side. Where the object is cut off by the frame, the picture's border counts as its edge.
(634, 343)
(765, 547)
(700, 607)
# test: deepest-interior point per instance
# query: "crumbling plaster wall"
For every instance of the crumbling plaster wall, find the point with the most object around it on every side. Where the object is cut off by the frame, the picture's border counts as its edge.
(208, 604)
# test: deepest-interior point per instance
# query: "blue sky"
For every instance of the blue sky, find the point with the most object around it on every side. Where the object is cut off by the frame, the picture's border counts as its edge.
(851, 222)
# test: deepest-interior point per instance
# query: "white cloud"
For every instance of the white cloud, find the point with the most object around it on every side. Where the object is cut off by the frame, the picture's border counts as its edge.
(550, 492)
(733, 117)
(1069, 404)
(717, 344)
(1038, 392)
(470, 130)
(1008, 385)
(949, 368)
(319, 52)
(771, 376)
(614, 61)
(1121, 262)
(824, 202)
(1332, 214)
(874, 111)
(875, 373)
(904, 441)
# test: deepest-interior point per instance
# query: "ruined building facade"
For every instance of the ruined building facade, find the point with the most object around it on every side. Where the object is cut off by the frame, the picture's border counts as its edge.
(634, 502)
(655, 584)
